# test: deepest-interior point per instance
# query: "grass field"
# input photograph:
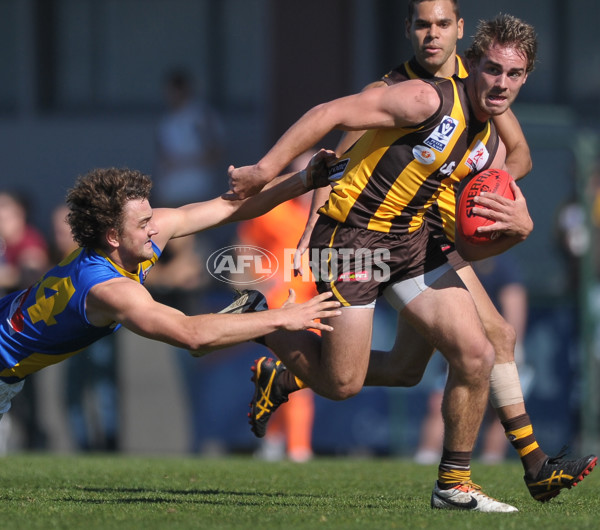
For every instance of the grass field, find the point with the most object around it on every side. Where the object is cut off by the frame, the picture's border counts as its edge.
(104, 492)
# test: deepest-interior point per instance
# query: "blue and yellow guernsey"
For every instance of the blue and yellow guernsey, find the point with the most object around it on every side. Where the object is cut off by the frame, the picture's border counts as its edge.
(47, 323)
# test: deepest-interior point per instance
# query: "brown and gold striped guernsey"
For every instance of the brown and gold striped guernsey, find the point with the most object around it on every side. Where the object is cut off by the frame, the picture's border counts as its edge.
(441, 214)
(392, 177)
(413, 70)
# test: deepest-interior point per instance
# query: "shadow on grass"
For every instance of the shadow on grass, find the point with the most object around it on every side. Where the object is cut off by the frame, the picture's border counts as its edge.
(169, 496)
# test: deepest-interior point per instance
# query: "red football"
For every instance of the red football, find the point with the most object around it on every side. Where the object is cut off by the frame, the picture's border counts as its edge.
(491, 180)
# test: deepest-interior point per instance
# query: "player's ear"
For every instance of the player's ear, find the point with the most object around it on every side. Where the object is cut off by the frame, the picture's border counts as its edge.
(407, 28)
(461, 28)
(112, 237)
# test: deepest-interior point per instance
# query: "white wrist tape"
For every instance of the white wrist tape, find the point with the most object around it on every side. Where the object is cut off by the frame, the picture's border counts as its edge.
(304, 177)
(505, 386)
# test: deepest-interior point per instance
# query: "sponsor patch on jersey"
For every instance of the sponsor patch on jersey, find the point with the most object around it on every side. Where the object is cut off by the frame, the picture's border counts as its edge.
(423, 154)
(360, 276)
(15, 315)
(442, 134)
(336, 172)
(478, 157)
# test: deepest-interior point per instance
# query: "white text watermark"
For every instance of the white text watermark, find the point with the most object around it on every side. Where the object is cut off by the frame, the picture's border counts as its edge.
(247, 265)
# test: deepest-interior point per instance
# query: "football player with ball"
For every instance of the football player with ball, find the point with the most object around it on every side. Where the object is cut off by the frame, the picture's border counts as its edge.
(423, 137)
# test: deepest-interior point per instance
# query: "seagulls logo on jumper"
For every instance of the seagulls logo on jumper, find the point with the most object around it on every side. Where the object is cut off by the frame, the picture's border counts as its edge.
(478, 157)
(423, 154)
(15, 316)
(442, 134)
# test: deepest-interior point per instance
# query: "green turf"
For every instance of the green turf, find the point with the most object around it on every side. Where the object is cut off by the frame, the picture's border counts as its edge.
(105, 492)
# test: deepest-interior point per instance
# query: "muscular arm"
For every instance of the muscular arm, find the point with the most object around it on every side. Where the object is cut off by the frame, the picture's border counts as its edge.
(401, 105)
(321, 195)
(192, 218)
(349, 138)
(518, 157)
(196, 217)
(129, 303)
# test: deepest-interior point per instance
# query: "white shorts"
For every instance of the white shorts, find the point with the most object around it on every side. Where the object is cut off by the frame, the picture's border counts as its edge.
(7, 392)
(399, 294)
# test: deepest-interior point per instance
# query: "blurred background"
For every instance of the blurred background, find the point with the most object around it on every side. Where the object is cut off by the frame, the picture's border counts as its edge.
(95, 83)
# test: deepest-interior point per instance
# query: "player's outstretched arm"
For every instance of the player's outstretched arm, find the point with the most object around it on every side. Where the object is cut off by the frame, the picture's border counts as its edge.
(130, 304)
(349, 138)
(196, 217)
(401, 105)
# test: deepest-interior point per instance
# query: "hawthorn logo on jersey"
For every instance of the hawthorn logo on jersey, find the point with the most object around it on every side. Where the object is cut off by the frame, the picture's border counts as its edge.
(440, 137)
(423, 154)
(242, 264)
(478, 157)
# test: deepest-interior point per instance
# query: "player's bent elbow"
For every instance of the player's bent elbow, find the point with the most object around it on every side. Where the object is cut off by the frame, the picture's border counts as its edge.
(202, 351)
(199, 343)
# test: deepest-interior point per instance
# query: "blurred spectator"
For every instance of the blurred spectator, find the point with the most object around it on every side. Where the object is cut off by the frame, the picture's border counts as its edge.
(289, 432)
(91, 389)
(23, 249)
(189, 145)
(501, 278)
(189, 148)
(23, 259)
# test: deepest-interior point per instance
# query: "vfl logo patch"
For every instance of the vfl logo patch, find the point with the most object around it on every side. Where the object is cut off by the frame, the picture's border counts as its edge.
(478, 157)
(440, 138)
(423, 154)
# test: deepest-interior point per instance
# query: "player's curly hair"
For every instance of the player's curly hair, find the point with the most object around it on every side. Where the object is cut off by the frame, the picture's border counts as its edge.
(505, 30)
(97, 202)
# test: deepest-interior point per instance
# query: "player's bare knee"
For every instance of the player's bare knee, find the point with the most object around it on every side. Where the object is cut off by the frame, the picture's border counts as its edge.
(487, 358)
(344, 389)
(474, 364)
(503, 338)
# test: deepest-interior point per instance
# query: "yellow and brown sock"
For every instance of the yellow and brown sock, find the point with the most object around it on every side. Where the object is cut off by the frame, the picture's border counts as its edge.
(455, 468)
(519, 432)
(290, 382)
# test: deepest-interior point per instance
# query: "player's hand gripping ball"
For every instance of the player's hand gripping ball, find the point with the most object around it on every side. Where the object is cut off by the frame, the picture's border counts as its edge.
(490, 180)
